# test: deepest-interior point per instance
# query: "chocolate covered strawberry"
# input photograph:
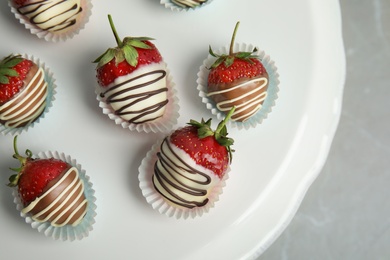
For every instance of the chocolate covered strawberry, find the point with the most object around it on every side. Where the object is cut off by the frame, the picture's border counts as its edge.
(237, 79)
(133, 79)
(191, 162)
(49, 189)
(52, 19)
(23, 91)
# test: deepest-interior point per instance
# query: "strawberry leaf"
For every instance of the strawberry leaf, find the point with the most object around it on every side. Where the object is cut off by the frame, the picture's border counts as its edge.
(4, 80)
(144, 39)
(218, 62)
(223, 131)
(137, 42)
(12, 61)
(203, 128)
(106, 57)
(8, 72)
(228, 61)
(119, 56)
(208, 122)
(131, 55)
(205, 132)
(13, 180)
(211, 52)
(243, 55)
(195, 123)
(225, 141)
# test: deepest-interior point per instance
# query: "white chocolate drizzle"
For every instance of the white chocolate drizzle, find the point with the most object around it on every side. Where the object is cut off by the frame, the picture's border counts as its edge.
(67, 198)
(27, 105)
(250, 106)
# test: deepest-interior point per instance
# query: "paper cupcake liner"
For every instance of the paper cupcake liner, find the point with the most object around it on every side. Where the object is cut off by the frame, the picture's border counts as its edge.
(163, 124)
(174, 7)
(269, 102)
(66, 232)
(146, 171)
(51, 87)
(86, 6)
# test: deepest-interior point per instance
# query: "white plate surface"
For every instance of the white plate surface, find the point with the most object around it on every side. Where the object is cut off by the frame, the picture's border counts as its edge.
(273, 166)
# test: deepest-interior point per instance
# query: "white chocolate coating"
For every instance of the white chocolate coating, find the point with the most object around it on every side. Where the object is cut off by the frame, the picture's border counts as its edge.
(180, 180)
(140, 96)
(56, 16)
(188, 3)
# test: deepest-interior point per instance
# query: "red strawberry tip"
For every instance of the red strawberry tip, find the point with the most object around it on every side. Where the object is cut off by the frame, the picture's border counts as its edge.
(14, 179)
(20, 2)
(220, 134)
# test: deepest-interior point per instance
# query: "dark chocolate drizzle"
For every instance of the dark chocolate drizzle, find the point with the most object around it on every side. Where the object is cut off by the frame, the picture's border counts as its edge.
(186, 4)
(45, 6)
(170, 167)
(112, 98)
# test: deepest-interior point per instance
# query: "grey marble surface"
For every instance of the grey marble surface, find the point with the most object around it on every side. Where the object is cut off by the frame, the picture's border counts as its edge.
(346, 212)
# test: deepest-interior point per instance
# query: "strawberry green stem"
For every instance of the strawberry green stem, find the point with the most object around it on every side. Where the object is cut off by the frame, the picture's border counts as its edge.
(233, 38)
(227, 118)
(21, 159)
(15, 146)
(118, 40)
(14, 179)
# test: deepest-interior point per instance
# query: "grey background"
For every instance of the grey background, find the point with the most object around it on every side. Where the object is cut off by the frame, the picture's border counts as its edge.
(346, 212)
